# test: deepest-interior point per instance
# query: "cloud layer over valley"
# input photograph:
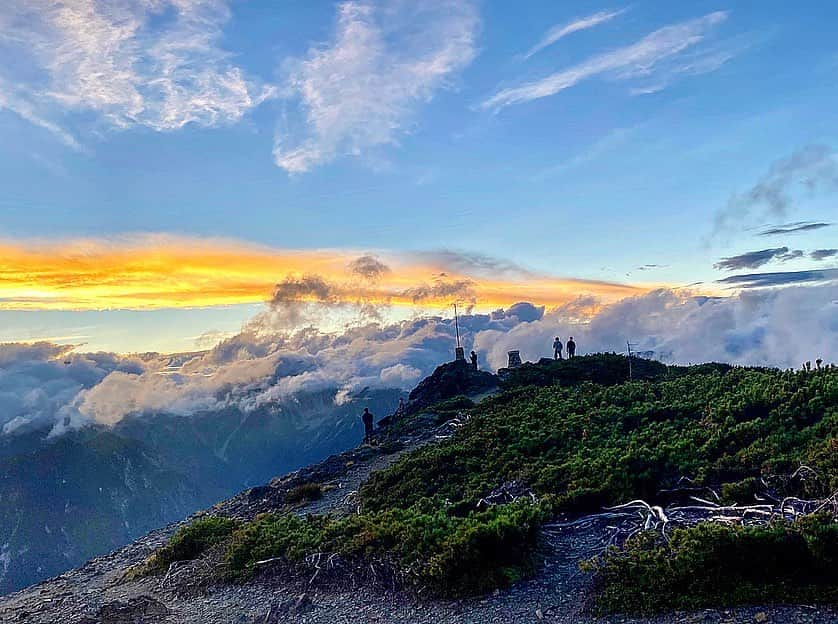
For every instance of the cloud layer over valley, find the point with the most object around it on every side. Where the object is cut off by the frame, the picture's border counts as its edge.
(280, 353)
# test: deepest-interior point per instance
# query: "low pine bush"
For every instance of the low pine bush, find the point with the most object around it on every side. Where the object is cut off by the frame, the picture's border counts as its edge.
(711, 565)
(190, 541)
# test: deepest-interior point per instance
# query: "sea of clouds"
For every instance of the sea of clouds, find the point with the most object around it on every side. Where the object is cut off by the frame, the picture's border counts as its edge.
(281, 352)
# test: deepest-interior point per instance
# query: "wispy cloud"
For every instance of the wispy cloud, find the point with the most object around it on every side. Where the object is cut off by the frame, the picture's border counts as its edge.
(637, 60)
(812, 169)
(793, 228)
(612, 141)
(158, 64)
(764, 280)
(823, 254)
(25, 110)
(756, 259)
(362, 89)
(559, 31)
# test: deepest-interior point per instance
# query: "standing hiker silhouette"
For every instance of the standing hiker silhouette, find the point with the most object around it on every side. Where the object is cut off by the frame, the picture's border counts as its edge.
(367, 419)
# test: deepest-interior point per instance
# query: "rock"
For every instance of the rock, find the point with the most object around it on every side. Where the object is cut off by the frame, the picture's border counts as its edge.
(761, 616)
(137, 610)
(447, 381)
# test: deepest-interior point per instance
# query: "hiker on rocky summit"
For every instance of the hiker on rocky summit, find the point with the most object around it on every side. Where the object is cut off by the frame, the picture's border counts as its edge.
(557, 349)
(367, 418)
(571, 348)
(474, 360)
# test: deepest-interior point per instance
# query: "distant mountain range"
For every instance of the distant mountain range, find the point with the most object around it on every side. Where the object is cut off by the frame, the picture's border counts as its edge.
(66, 499)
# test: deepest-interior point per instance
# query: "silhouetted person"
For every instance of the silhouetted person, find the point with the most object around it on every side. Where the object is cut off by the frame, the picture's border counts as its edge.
(474, 360)
(571, 348)
(367, 418)
(557, 349)
(401, 405)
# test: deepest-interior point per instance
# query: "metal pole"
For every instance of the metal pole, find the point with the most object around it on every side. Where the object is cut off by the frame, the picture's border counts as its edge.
(628, 345)
(457, 325)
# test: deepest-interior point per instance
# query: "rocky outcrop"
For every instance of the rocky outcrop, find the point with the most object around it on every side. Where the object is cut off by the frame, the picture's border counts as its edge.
(450, 380)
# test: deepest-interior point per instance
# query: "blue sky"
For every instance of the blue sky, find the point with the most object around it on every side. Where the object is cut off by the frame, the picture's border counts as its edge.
(577, 139)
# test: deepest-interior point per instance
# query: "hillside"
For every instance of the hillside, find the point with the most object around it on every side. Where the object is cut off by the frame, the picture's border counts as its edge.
(720, 481)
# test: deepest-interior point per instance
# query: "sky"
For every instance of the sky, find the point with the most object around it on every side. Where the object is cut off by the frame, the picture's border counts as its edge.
(170, 169)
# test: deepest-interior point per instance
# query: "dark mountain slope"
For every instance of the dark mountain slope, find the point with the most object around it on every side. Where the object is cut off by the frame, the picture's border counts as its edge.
(67, 499)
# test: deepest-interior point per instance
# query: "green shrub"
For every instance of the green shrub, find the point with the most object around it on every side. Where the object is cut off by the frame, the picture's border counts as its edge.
(742, 491)
(190, 541)
(306, 492)
(271, 535)
(450, 554)
(591, 445)
(713, 565)
(453, 405)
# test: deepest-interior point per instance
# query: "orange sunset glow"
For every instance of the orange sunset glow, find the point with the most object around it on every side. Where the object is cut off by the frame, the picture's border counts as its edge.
(154, 272)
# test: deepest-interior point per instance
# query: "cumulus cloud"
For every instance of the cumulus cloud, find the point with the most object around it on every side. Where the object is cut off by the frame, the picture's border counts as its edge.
(156, 63)
(638, 60)
(793, 228)
(362, 89)
(39, 381)
(812, 169)
(48, 387)
(782, 327)
(559, 31)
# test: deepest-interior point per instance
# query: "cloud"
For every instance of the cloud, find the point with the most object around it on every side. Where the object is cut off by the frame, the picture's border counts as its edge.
(763, 280)
(362, 90)
(306, 288)
(47, 387)
(793, 228)
(155, 63)
(162, 271)
(461, 290)
(755, 259)
(24, 109)
(812, 169)
(560, 31)
(471, 262)
(259, 368)
(823, 254)
(782, 327)
(369, 267)
(637, 60)
(39, 381)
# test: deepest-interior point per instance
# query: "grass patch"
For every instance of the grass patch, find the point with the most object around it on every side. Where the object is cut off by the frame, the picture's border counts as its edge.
(304, 493)
(711, 565)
